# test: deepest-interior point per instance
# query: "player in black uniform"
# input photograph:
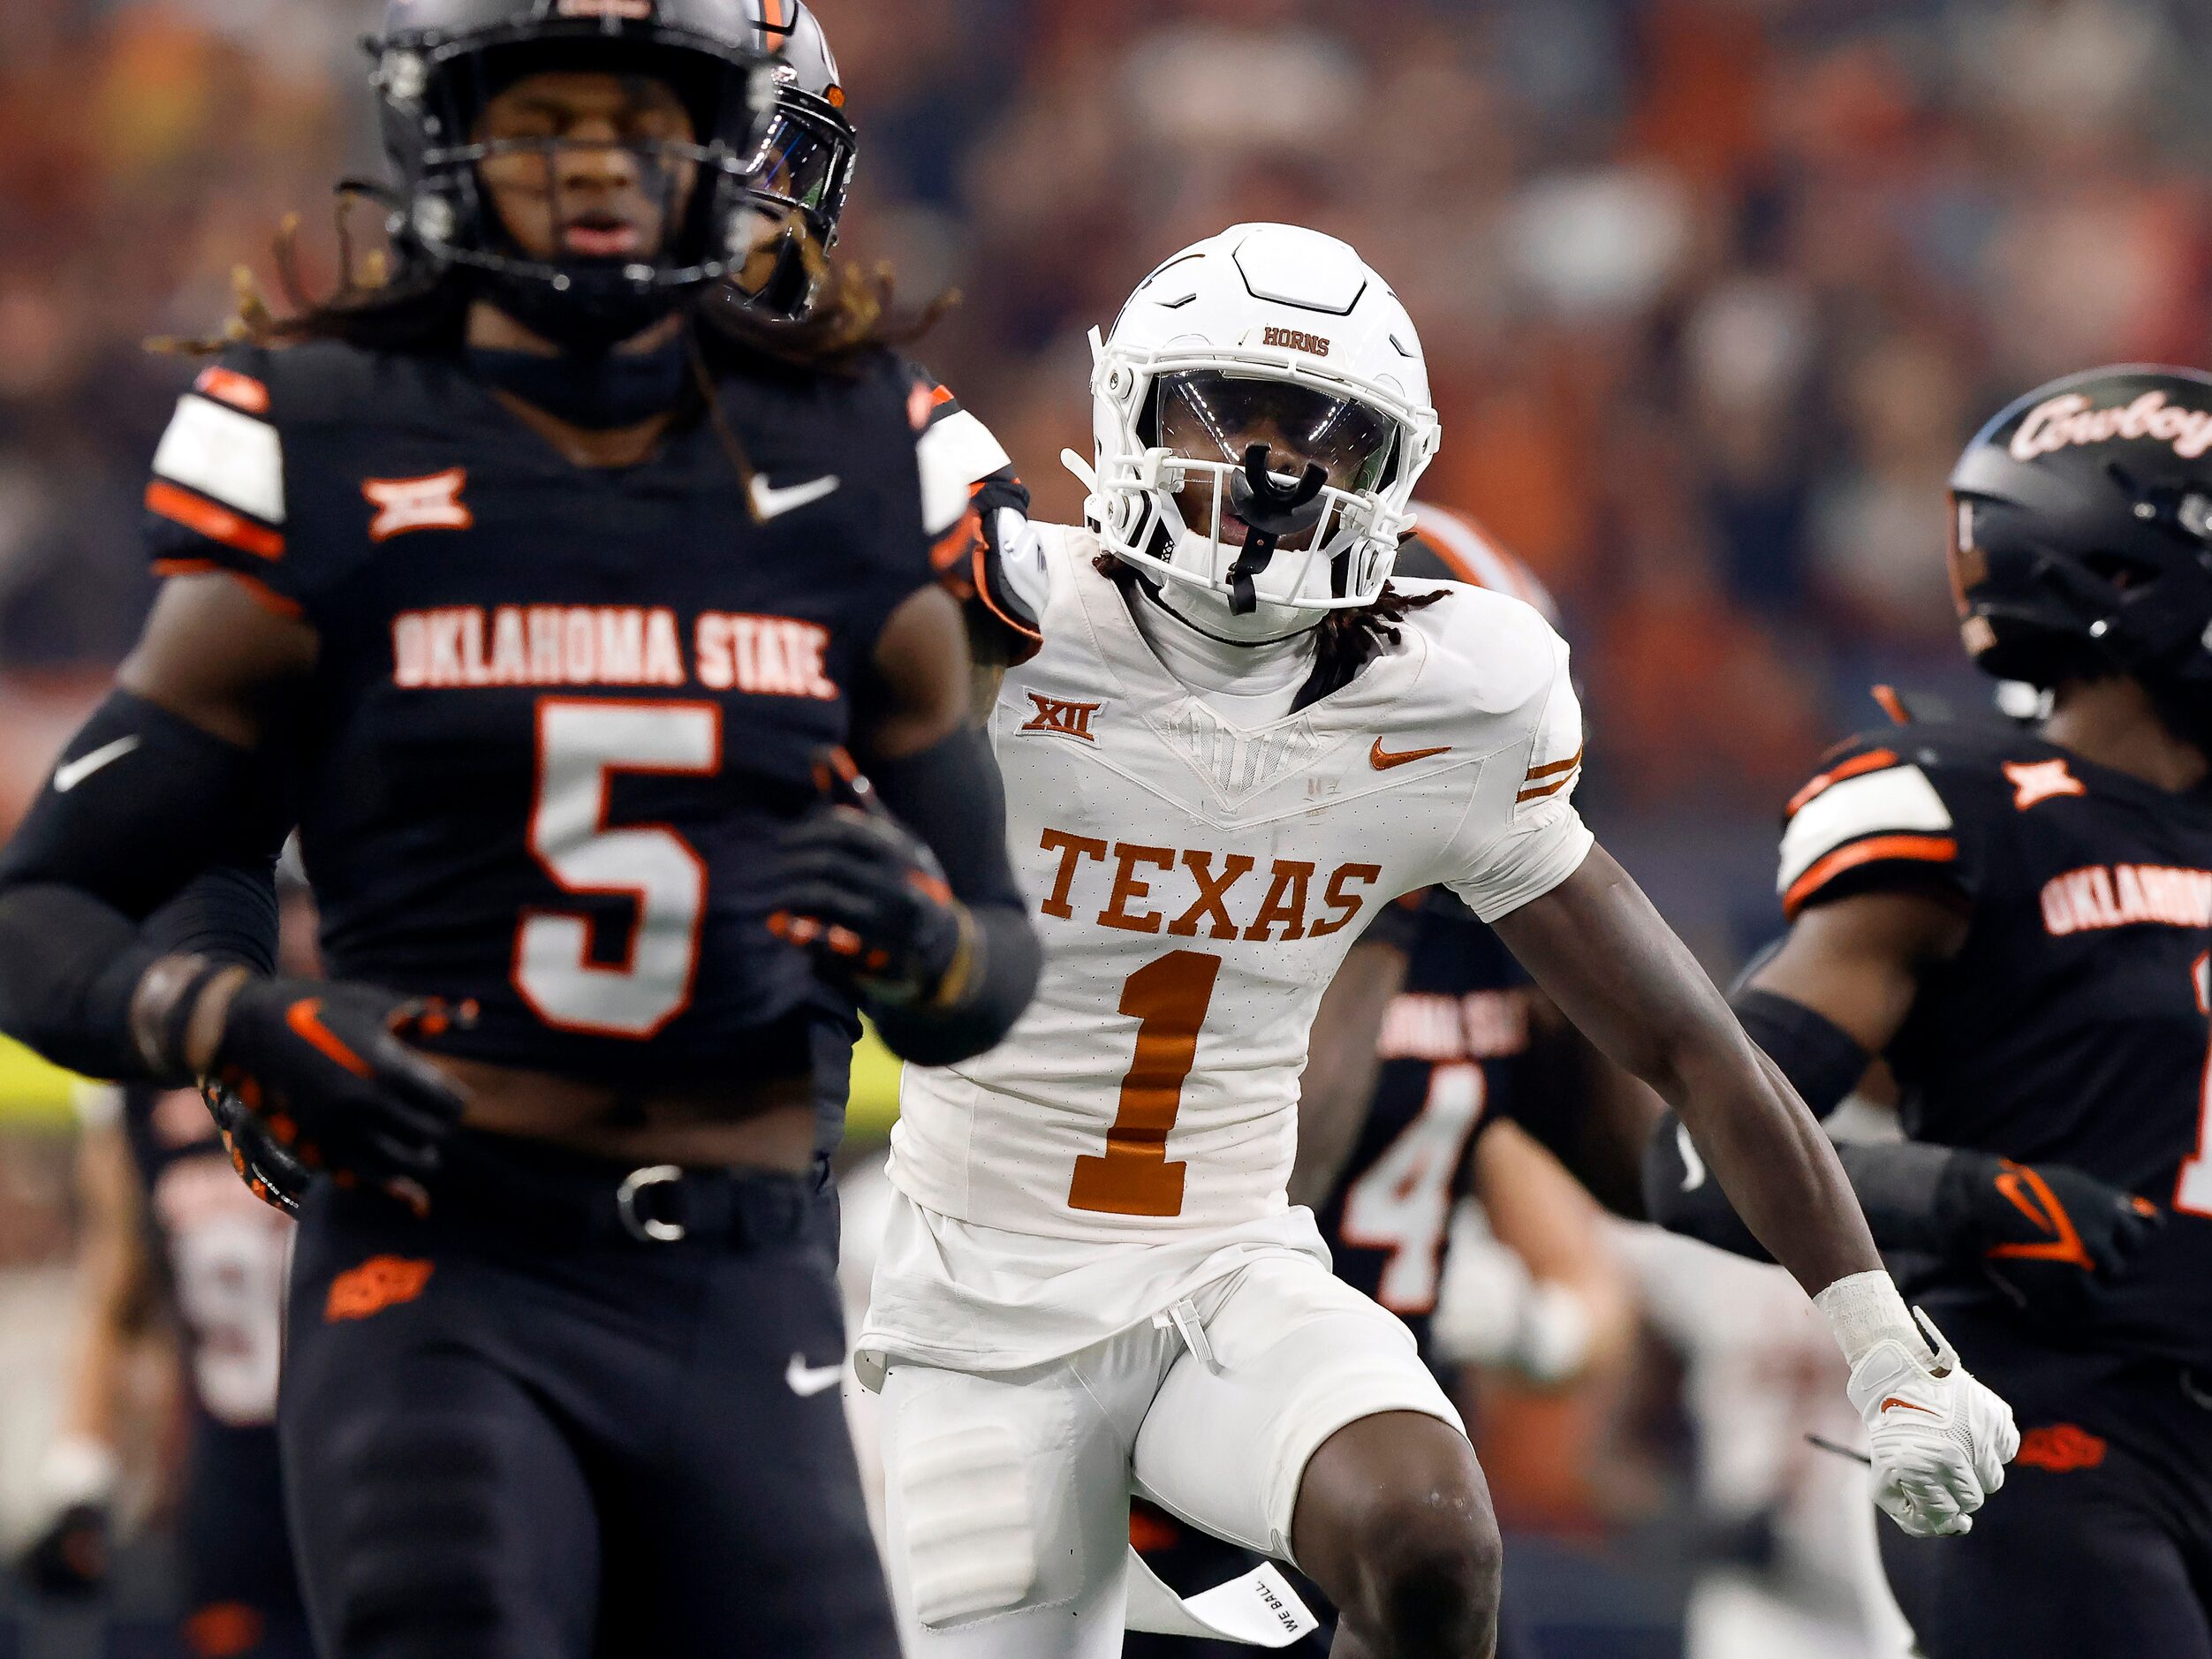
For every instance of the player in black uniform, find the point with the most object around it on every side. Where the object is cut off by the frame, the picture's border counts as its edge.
(183, 1231)
(2020, 923)
(539, 589)
(169, 1226)
(808, 158)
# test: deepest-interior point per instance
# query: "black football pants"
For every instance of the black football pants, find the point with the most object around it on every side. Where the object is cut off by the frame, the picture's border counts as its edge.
(517, 1430)
(241, 1596)
(2100, 1541)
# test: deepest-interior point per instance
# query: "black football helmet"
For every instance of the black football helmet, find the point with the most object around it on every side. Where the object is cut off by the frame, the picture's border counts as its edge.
(440, 62)
(803, 172)
(2081, 532)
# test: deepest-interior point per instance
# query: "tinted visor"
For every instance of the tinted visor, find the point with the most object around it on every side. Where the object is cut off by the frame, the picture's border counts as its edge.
(1207, 415)
(804, 163)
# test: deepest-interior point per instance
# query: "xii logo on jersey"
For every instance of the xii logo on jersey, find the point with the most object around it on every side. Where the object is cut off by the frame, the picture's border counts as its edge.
(2038, 780)
(404, 504)
(1062, 719)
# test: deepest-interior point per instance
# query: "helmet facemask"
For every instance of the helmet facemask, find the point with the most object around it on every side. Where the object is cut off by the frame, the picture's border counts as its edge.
(436, 94)
(1261, 492)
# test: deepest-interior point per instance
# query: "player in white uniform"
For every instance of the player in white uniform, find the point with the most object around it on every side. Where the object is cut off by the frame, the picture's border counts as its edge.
(1233, 744)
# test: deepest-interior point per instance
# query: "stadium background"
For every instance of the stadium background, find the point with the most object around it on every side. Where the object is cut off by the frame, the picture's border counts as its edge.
(1712, 289)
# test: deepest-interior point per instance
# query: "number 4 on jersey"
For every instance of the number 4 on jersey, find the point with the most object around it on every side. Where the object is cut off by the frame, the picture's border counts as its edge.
(1403, 1202)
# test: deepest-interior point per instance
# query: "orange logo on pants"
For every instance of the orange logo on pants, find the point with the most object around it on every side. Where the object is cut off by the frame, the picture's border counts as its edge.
(223, 1629)
(379, 1283)
(2061, 1448)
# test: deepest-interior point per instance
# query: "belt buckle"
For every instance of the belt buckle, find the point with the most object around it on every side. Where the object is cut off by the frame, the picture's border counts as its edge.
(649, 1228)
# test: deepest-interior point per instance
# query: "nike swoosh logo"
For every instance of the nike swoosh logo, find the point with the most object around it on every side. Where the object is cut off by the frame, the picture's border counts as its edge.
(1381, 760)
(805, 1381)
(1894, 1401)
(772, 502)
(305, 1017)
(67, 777)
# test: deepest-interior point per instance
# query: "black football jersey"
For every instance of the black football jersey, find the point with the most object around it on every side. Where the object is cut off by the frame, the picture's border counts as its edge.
(561, 712)
(1454, 1048)
(2073, 1026)
(224, 1253)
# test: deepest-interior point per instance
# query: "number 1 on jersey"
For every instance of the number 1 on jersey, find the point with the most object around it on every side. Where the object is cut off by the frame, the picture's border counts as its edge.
(1168, 998)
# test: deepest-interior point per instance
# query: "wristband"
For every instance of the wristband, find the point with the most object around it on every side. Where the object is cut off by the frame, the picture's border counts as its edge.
(162, 1009)
(1864, 1311)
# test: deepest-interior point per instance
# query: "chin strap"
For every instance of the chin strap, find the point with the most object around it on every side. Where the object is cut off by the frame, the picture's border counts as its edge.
(1272, 510)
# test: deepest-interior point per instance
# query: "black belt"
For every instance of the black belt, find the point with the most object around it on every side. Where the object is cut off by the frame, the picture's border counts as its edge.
(541, 1189)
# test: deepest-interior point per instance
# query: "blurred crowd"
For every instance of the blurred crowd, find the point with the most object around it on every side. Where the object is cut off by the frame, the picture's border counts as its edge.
(1713, 292)
(1713, 289)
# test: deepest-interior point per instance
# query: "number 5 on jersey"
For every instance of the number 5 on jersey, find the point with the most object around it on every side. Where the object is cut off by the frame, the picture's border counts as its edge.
(581, 744)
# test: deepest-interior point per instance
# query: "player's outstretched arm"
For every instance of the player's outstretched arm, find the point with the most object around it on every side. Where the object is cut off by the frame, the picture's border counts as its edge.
(1602, 953)
(1599, 949)
(918, 905)
(1833, 994)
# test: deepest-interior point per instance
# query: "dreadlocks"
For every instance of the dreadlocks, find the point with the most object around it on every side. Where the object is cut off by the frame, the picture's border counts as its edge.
(424, 308)
(1345, 640)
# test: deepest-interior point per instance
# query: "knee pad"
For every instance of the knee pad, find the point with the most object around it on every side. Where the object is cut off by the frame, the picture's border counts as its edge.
(970, 1532)
(420, 1539)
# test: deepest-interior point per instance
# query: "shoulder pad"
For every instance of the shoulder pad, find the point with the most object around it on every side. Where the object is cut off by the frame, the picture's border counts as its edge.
(228, 479)
(1499, 676)
(217, 499)
(957, 456)
(1896, 807)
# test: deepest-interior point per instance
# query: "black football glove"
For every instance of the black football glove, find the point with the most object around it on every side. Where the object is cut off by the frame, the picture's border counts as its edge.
(69, 1558)
(271, 1170)
(326, 1068)
(2052, 1239)
(865, 896)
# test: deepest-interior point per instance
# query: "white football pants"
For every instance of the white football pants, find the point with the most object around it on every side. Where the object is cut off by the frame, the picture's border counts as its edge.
(1007, 1493)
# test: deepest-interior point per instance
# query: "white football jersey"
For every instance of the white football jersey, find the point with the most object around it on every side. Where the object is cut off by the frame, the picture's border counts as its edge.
(1196, 886)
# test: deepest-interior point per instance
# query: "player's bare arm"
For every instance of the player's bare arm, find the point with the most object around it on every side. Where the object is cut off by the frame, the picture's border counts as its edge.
(77, 1472)
(1342, 1064)
(1601, 952)
(1834, 994)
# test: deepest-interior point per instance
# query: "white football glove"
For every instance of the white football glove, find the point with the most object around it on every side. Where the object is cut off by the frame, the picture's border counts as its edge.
(1940, 1440)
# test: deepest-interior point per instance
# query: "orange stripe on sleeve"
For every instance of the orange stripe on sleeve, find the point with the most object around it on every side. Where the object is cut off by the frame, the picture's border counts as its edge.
(1872, 761)
(203, 517)
(983, 593)
(1555, 767)
(1879, 849)
(266, 596)
(240, 392)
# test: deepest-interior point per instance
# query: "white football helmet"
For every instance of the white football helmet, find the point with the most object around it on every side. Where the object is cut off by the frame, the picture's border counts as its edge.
(1261, 416)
